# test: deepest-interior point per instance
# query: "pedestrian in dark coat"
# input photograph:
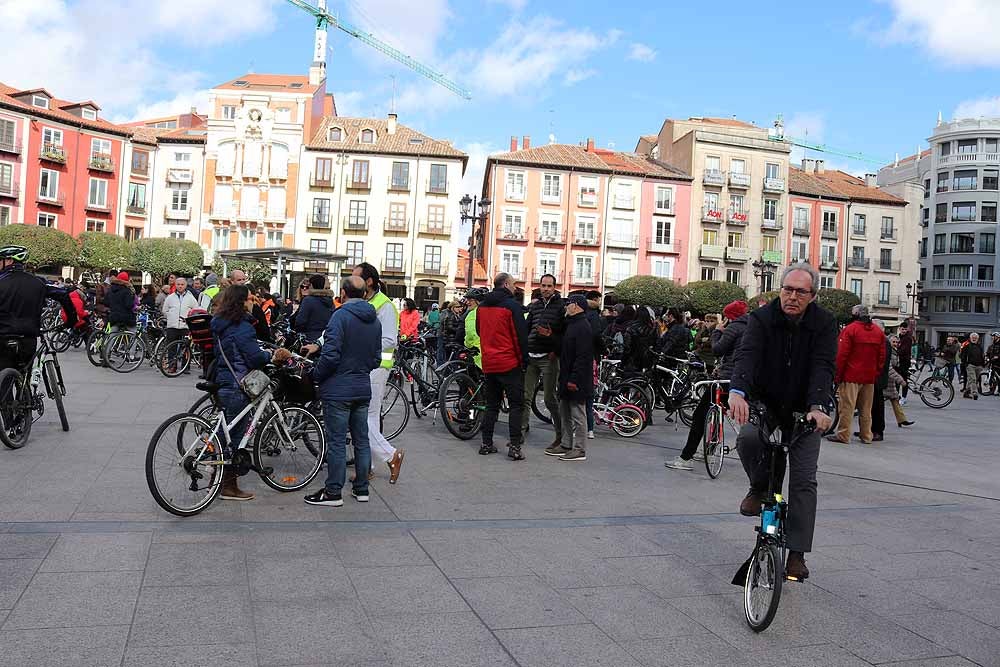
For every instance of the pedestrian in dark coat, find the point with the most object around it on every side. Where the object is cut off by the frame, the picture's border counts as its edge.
(314, 313)
(120, 302)
(576, 380)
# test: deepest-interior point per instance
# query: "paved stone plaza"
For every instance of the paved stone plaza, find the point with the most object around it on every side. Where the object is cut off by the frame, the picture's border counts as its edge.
(474, 560)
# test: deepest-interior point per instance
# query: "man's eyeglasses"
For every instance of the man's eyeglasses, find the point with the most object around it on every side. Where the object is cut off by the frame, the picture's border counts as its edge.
(798, 291)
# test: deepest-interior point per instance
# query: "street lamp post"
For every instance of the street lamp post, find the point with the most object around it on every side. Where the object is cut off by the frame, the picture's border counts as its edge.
(912, 293)
(469, 207)
(762, 270)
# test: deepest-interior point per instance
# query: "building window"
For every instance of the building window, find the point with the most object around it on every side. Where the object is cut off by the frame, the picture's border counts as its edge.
(228, 112)
(982, 304)
(710, 237)
(826, 282)
(179, 199)
(828, 255)
(960, 304)
(663, 268)
(985, 272)
(133, 233)
(857, 287)
(770, 210)
(547, 264)
(7, 131)
(925, 213)
(355, 252)
(394, 256)
(40, 101)
(4, 215)
(588, 191)
(768, 243)
(137, 196)
(888, 230)
(733, 276)
(368, 136)
(800, 217)
(397, 215)
(439, 178)
(963, 242)
(52, 137)
(990, 179)
(736, 203)
(586, 229)
(800, 251)
(435, 218)
(88, 114)
(515, 185)
(548, 226)
(735, 240)
(989, 211)
(966, 179)
(513, 225)
(317, 245)
(358, 214)
(140, 162)
(98, 195)
(858, 252)
(713, 164)
(708, 273)
(321, 212)
(987, 243)
(400, 175)
(959, 271)
(923, 247)
(6, 178)
(941, 213)
(942, 183)
(275, 238)
(432, 258)
(883, 292)
(664, 198)
(551, 187)
(584, 267)
(46, 220)
(623, 196)
(967, 145)
(963, 211)
(945, 148)
(938, 272)
(830, 221)
(182, 157)
(772, 170)
(100, 148)
(220, 238)
(335, 134)
(359, 173)
(248, 238)
(510, 262)
(941, 304)
(620, 268)
(662, 232)
(178, 235)
(860, 223)
(885, 258)
(324, 171)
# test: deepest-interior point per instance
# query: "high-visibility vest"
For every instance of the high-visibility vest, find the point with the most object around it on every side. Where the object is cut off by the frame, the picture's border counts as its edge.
(378, 302)
(266, 307)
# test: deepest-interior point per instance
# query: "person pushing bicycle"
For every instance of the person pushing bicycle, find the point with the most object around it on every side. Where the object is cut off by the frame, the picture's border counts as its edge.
(22, 300)
(786, 361)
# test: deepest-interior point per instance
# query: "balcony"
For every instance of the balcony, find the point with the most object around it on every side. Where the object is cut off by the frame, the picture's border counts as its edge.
(511, 232)
(516, 272)
(540, 271)
(829, 234)
(774, 185)
(551, 236)
(626, 203)
(800, 228)
(101, 162)
(661, 207)
(585, 239)
(890, 266)
(858, 263)
(180, 176)
(222, 212)
(320, 181)
(773, 256)
(858, 231)
(432, 268)
(351, 184)
(435, 228)
(888, 235)
(622, 241)
(177, 214)
(612, 279)
(739, 180)
(737, 254)
(12, 146)
(776, 223)
(962, 283)
(318, 221)
(224, 169)
(9, 189)
(398, 185)
(437, 188)
(663, 248)
(249, 212)
(587, 199)
(828, 264)
(58, 199)
(514, 194)
(353, 223)
(796, 259)
(393, 265)
(708, 251)
(396, 225)
(968, 158)
(713, 177)
(710, 214)
(583, 279)
(552, 197)
(738, 217)
(98, 207)
(136, 209)
(53, 153)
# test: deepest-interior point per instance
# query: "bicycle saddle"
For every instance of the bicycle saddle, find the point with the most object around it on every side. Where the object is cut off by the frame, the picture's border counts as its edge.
(208, 387)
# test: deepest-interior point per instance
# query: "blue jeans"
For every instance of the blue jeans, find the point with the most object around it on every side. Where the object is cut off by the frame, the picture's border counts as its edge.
(590, 414)
(233, 401)
(338, 416)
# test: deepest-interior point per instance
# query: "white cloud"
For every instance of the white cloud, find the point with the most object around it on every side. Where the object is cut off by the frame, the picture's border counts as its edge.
(514, 5)
(578, 75)
(472, 182)
(350, 103)
(959, 32)
(984, 107)
(412, 27)
(182, 102)
(806, 125)
(105, 49)
(641, 52)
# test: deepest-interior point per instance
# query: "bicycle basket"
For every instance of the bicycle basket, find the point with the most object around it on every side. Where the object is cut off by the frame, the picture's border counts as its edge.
(200, 328)
(255, 383)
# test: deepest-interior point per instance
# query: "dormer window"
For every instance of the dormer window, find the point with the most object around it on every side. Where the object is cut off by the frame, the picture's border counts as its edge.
(335, 134)
(368, 136)
(40, 101)
(88, 114)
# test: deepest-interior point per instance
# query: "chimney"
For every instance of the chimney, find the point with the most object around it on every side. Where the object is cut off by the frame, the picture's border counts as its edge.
(590, 144)
(808, 165)
(819, 166)
(526, 142)
(513, 144)
(194, 111)
(871, 180)
(391, 124)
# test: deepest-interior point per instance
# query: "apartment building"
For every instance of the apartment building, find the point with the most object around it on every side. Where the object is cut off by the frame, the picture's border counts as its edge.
(958, 177)
(591, 217)
(739, 194)
(860, 237)
(60, 162)
(376, 190)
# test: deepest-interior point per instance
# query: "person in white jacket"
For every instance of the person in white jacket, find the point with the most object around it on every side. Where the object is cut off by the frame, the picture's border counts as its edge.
(175, 308)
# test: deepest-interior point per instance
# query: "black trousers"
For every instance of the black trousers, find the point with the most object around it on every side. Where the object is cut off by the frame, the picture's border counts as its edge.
(496, 385)
(878, 411)
(17, 352)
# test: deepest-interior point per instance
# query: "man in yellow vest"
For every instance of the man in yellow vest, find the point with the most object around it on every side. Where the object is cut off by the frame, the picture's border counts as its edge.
(388, 317)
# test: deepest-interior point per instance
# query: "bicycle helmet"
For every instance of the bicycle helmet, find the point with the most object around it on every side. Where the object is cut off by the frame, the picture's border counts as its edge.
(477, 293)
(15, 252)
(995, 334)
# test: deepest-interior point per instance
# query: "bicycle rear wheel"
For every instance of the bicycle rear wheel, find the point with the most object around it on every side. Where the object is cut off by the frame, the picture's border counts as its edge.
(686, 409)
(15, 409)
(714, 441)
(627, 420)
(56, 391)
(538, 404)
(175, 358)
(184, 465)
(462, 403)
(95, 343)
(294, 461)
(762, 589)
(124, 351)
(394, 413)
(936, 392)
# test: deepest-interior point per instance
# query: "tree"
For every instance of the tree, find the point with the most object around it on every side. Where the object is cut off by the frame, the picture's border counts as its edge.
(766, 297)
(47, 246)
(163, 256)
(102, 252)
(711, 296)
(839, 302)
(648, 291)
(257, 273)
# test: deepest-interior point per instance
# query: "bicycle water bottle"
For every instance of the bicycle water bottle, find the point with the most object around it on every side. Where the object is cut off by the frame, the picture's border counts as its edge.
(36, 376)
(769, 520)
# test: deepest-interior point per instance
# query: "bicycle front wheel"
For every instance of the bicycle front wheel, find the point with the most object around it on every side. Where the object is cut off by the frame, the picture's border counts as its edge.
(56, 390)
(294, 452)
(762, 589)
(627, 420)
(124, 351)
(175, 358)
(538, 404)
(714, 441)
(462, 403)
(936, 392)
(60, 340)
(394, 413)
(15, 409)
(184, 465)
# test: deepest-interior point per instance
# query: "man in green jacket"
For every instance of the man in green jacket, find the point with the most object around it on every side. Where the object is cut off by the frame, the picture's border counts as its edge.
(472, 299)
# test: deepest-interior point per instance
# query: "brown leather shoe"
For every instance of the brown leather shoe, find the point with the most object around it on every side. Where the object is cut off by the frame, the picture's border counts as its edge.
(231, 490)
(751, 504)
(395, 464)
(795, 566)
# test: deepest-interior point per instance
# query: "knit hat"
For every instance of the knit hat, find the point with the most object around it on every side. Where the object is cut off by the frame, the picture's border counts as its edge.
(735, 310)
(211, 279)
(578, 299)
(123, 276)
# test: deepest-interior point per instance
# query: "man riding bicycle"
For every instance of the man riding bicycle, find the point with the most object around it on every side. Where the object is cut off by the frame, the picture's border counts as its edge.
(786, 362)
(22, 300)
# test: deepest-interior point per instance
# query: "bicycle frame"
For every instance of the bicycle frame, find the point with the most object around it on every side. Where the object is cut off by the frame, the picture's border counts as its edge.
(258, 406)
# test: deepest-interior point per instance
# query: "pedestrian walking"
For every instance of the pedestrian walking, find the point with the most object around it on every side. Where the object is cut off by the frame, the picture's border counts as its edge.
(897, 381)
(546, 321)
(860, 357)
(974, 360)
(576, 380)
(947, 357)
(351, 351)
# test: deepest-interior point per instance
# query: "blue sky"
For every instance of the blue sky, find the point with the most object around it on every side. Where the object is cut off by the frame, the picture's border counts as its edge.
(862, 75)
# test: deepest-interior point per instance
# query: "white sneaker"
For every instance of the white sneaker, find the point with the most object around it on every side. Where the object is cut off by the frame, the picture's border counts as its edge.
(902, 401)
(590, 435)
(677, 463)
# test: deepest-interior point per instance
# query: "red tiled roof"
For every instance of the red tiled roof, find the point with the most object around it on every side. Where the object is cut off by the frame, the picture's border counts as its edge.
(801, 183)
(271, 82)
(731, 122)
(837, 184)
(911, 158)
(478, 270)
(56, 111)
(405, 140)
(599, 160)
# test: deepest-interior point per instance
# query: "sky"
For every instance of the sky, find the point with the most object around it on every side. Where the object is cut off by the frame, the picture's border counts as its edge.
(866, 76)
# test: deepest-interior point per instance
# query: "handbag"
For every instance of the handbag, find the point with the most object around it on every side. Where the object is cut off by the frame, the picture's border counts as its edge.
(253, 384)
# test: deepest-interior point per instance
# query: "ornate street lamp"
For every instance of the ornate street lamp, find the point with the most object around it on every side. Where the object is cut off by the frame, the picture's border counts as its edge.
(763, 270)
(470, 206)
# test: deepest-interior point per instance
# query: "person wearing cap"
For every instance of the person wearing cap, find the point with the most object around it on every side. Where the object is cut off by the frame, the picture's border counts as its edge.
(120, 301)
(576, 381)
(861, 352)
(726, 339)
(974, 360)
(210, 292)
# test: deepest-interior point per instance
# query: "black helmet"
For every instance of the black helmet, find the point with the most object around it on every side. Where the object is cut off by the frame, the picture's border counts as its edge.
(477, 293)
(15, 252)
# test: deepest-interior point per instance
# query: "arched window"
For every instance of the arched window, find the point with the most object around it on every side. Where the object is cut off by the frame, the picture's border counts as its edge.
(335, 134)
(367, 136)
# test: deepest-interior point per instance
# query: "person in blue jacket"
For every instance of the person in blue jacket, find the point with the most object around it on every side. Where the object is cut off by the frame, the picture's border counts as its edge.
(234, 335)
(352, 348)
(313, 315)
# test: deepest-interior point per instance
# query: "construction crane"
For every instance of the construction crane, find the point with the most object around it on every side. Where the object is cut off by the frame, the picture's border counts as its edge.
(325, 18)
(778, 134)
